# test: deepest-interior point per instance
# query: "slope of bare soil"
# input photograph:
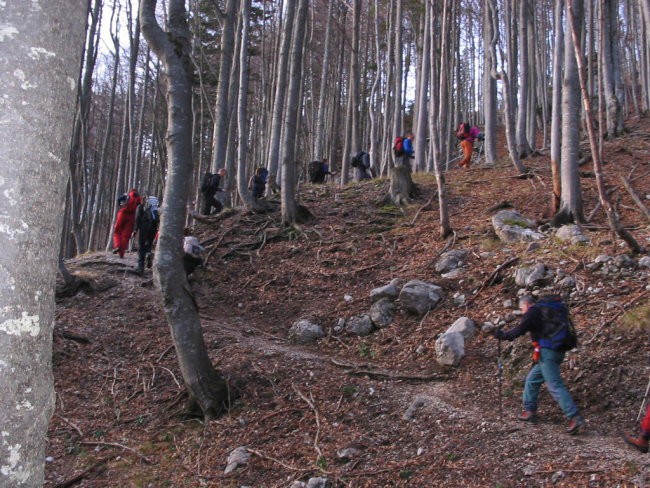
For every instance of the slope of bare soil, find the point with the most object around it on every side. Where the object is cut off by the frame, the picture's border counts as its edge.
(119, 418)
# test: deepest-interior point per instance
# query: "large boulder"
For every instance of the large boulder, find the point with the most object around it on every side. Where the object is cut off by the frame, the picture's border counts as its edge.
(359, 326)
(305, 332)
(451, 260)
(530, 276)
(382, 312)
(450, 348)
(419, 297)
(511, 227)
(464, 326)
(238, 457)
(572, 234)
(390, 290)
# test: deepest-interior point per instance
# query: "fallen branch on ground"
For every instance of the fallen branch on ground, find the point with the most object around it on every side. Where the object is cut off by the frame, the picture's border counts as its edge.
(71, 424)
(358, 370)
(277, 461)
(310, 402)
(493, 276)
(94, 467)
(417, 214)
(635, 197)
(115, 444)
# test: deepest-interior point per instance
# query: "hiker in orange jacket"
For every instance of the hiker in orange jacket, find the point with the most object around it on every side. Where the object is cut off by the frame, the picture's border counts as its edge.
(467, 135)
(125, 222)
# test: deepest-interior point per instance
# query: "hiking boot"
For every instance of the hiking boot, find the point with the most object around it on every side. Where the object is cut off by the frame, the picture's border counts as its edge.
(116, 250)
(528, 416)
(149, 259)
(139, 271)
(575, 425)
(640, 442)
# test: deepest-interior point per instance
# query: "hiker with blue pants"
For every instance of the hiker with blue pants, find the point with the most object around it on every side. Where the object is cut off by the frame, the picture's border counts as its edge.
(547, 357)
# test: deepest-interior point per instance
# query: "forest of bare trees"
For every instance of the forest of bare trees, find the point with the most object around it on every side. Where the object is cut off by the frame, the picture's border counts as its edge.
(167, 91)
(281, 83)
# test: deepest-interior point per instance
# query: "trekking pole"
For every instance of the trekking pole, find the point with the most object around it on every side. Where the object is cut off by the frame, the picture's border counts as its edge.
(647, 389)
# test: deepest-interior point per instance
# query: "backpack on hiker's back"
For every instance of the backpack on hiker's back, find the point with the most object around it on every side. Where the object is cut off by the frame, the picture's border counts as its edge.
(316, 172)
(557, 331)
(151, 208)
(398, 146)
(210, 183)
(148, 214)
(361, 160)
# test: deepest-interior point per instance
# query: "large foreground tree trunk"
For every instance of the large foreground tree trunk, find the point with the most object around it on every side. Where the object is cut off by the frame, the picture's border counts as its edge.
(205, 386)
(40, 49)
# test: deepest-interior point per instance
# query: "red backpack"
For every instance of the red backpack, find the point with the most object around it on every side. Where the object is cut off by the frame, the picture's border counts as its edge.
(398, 146)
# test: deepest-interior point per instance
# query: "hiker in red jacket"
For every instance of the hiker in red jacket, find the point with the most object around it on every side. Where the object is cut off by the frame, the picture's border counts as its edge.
(125, 221)
(641, 441)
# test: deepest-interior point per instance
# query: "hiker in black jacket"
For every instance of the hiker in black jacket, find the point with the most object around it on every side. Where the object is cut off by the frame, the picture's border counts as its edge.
(547, 356)
(147, 219)
(209, 187)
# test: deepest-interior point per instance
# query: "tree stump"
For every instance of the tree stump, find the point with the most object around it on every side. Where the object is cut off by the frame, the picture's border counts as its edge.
(402, 188)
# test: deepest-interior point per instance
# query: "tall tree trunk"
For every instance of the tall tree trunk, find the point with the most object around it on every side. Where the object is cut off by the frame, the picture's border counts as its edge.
(612, 215)
(43, 47)
(222, 108)
(397, 82)
(571, 209)
(608, 45)
(134, 45)
(489, 88)
(78, 147)
(434, 134)
(280, 91)
(374, 106)
(644, 6)
(242, 111)
(318, 148)
(556, 111)
(103, 190)
(508, 109)
(443, 88)
(422, 91)
(205, 385)
(287, 193)
(523, 146)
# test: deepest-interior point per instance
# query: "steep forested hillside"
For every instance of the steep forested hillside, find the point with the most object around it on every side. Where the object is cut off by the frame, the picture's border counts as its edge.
(375, 410)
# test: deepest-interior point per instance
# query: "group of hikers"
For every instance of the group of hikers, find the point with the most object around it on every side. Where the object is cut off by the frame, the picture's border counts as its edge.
(136, 215)
(140, 215)
(403, 151)
(546, 318)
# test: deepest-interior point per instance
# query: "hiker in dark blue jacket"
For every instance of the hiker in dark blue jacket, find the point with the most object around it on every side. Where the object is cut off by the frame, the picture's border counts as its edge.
(547, 358)
(147, 220)
(257, 183)
(361, 165)
(209, 187)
